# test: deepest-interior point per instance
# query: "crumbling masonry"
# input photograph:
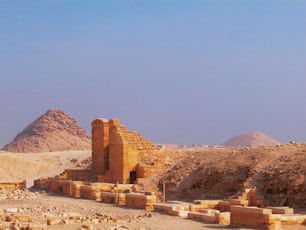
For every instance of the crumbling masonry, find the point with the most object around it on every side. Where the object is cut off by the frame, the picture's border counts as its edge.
(121, 158)
(118, 164)
(116, 152)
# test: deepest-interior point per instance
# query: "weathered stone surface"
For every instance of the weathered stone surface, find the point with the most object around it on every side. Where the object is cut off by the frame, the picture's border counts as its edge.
(116, 158)
(115, 151)
(13, 185)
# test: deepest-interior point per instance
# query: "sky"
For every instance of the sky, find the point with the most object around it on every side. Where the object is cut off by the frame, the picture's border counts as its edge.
(184, 72)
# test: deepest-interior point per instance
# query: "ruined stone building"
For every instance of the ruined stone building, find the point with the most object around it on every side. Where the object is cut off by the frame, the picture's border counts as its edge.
(116, 152)
(118, 155)
(121, 159)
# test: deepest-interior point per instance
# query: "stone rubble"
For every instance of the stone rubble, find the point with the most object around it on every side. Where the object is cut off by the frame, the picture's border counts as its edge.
(16, 194)
(40, 217)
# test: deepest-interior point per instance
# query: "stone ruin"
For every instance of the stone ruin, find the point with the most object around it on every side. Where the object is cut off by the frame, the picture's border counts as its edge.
(118, 168)
(116, 152)
(118, 164)
(116, 155)
(11, 185)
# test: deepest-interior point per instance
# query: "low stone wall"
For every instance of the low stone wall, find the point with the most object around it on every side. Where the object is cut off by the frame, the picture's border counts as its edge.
(224, 206)
(205, 217)
(89, 192)
(11, 185)
(293, 219)
(140, 200)
(281, 210)
(42, 183)
(186, 210)
(254, 217)
(235, 212)
(78, 174)
(223, 218)
(113, 198)
(207, 203)
(171, 209)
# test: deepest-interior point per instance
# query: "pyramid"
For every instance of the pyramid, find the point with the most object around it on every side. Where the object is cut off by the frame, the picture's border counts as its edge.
(251, 140)
(53, 131)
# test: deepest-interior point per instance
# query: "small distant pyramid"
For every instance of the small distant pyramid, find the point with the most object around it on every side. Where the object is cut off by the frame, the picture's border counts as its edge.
(53, 131)
(251, 140)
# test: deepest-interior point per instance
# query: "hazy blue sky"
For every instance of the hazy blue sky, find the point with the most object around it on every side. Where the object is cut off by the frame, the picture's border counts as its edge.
(175, 71)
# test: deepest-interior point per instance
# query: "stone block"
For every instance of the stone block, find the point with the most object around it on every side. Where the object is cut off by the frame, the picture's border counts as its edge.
(254, 210)
(281, 210)
(23, 218)
(207, 203)
(179, 205)
(113, 198)
(180, 213)
(206, 218)
(223, 218)
(138, 200)
(11, 210)
(224, 206)
(11, 185)
(163, 207)
(253, 217)
(195, 207)
(293, 219)
(244, 203)
(208, 210)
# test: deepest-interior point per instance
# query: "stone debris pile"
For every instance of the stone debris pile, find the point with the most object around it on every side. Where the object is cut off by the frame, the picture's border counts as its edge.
(44, 217)
(17, 194)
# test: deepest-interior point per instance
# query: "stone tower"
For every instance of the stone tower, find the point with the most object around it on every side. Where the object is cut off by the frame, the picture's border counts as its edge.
(115, 152)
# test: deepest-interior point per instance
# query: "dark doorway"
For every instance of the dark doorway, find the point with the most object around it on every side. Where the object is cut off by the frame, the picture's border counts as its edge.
(106, 160)
(133, 177)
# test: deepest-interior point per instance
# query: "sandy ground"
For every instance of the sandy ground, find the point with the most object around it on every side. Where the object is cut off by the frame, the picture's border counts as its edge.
(129, 218)
(30, 166)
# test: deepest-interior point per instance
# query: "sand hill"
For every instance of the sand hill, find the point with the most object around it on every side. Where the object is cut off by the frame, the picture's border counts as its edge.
(251, 140)
(53, 131)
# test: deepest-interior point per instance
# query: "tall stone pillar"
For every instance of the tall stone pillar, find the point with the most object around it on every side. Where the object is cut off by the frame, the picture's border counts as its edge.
(100, 146)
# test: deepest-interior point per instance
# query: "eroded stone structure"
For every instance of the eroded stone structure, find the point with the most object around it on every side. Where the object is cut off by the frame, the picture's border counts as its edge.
(11, 185)
(245, 211)
(116, 152)
(118, 157)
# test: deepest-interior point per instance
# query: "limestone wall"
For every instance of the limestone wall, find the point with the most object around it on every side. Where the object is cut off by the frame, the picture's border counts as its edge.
(13, 185)
(116, 152)
(138, 200)
(78, 174)
(100, 145)
(254, 217)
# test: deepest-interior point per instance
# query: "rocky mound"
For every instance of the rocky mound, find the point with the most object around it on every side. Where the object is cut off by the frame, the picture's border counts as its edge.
(251, 140)
(53, 131)
(277, 172)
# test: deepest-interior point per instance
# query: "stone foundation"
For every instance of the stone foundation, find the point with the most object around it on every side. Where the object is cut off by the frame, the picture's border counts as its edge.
(121, 159)
(139, 200)
(13, 185)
